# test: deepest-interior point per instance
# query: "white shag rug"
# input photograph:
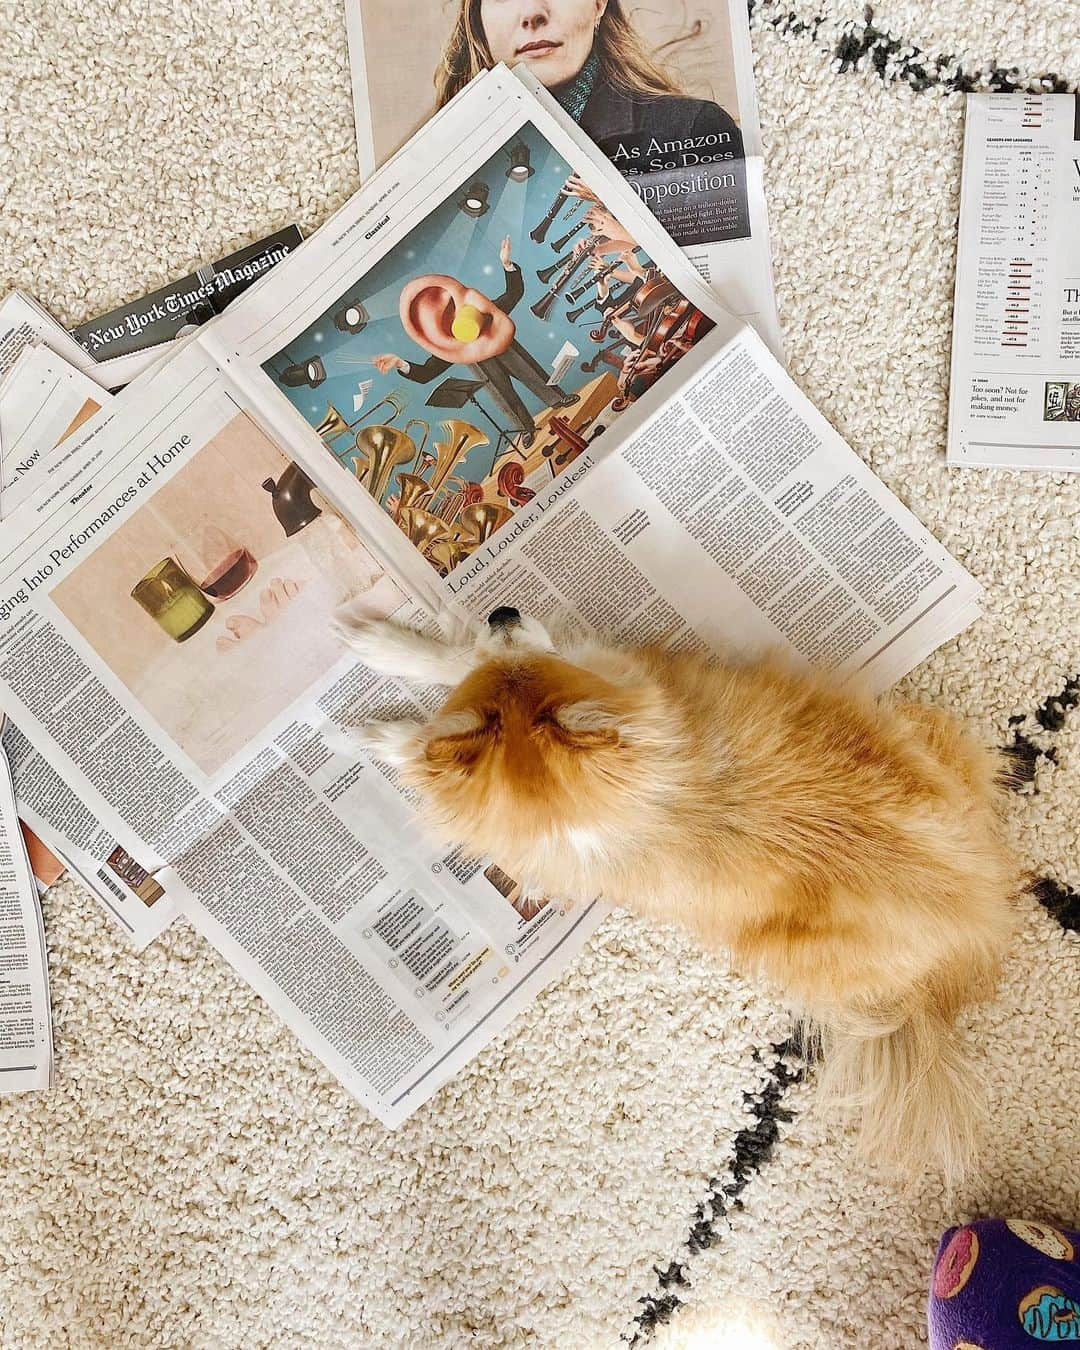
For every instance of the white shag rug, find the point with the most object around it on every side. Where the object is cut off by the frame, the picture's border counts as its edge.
(637, 1159)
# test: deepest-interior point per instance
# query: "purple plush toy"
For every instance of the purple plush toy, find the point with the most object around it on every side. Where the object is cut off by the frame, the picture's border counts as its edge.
(1005, 1284)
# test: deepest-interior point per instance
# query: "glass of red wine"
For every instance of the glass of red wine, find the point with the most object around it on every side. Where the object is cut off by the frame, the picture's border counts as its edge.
(220, 565)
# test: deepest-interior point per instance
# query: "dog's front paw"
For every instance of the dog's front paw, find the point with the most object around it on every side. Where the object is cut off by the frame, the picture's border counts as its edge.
(391, 742)
(377, 642)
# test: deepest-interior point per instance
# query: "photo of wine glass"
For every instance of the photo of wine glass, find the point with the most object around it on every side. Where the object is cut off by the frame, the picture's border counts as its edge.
(219, 563)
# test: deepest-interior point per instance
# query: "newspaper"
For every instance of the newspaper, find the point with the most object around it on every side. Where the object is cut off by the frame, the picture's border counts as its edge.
(1015, 393)
(154, 320)
(132, 897)
(43, 403)
(667, 92)
(25, 1022)
(23, 323)
(165, 607)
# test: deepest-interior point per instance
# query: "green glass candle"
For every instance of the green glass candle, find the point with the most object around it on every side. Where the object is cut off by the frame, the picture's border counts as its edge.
(173, 600)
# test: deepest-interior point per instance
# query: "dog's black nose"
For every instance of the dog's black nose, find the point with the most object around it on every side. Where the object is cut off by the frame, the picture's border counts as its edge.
(506, 616)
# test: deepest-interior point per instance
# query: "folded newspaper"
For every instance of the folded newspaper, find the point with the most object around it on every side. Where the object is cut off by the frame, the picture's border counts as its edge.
(665, 91)
(412, 414)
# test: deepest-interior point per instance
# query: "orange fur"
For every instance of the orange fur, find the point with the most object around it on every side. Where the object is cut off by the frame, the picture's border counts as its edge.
(846, 849)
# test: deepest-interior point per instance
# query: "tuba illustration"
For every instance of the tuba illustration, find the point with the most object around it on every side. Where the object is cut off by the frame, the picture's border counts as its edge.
(482, 519)
(459, 492)
(383, 449)
(447, 553)
(460, 437)
(413, 490)
(422, 528)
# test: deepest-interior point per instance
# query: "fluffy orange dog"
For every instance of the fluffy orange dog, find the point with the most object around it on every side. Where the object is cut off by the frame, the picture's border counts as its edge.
(845, 848)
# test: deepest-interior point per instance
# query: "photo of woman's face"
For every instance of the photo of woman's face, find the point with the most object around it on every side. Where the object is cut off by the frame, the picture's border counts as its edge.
(552, 37)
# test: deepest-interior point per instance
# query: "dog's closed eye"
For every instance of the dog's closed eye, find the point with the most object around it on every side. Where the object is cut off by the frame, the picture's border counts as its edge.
(585, 725)
(457, 738)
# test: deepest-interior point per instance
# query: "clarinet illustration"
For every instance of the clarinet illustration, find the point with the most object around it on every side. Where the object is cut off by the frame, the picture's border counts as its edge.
(560, 244)
(572, 297)
(544, 305)
(545, 274)
(541, 232)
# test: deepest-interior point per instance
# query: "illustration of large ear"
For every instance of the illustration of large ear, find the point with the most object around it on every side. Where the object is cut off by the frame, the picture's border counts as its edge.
(588, 724)
(456, 740)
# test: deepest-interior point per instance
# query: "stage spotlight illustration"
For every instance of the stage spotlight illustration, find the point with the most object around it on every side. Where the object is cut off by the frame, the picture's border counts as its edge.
(521, 167)
(300, 373)
(475, 201)
(353, 318)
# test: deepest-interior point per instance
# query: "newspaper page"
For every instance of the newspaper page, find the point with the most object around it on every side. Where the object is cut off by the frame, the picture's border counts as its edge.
(23, 323)
(1014, 399)
(830, 563)
(43, 404)
(666, 92)
(132, 897)
(25, 1020)
(43, 401)
(359, 430)
(731, 517)
(210, 733)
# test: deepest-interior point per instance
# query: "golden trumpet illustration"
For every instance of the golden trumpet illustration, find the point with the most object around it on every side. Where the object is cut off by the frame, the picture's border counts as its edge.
(333, 425)
(482, 519)
(447, 553)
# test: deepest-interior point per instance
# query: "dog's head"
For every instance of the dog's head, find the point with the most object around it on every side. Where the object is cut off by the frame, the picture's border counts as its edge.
(528, 744)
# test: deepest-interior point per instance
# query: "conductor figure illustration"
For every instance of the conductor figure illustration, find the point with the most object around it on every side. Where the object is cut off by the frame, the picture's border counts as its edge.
(459, 326)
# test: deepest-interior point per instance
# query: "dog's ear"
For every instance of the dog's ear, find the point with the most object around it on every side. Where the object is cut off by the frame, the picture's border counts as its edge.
(587, 725)
(456, 739)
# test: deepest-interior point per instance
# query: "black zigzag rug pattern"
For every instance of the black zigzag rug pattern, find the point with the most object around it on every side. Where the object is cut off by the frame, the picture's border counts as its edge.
(861, 45)
(756, 1144)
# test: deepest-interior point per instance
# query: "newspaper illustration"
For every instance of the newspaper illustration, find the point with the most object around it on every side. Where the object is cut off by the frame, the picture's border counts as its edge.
(666, 92)
(221, 518)
(45, 865)
(1014, 399)
(442, 345)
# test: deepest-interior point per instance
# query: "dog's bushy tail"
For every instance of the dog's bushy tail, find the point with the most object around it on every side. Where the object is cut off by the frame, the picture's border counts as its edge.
(912, 1084)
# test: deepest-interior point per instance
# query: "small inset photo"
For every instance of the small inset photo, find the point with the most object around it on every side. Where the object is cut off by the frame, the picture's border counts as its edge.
(1061, 401)
(527, 906)
(134, 877)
